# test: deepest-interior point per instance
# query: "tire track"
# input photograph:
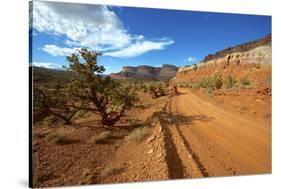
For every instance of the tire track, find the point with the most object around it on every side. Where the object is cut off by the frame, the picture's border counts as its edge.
(187, 163)
(174, 163)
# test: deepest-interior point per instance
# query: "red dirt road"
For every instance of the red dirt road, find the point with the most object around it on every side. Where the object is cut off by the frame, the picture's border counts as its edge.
(206, 140)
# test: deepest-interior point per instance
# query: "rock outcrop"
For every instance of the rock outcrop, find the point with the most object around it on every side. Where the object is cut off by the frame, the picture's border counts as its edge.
(144, 72)
(266, 41)
(230, 60)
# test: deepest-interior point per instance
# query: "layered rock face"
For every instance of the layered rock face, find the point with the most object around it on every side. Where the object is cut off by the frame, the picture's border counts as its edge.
(238, 60)
(266, 41)
(128, 69)
(165, 72)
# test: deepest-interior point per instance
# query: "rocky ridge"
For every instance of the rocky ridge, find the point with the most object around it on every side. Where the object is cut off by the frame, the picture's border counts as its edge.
(251, 53)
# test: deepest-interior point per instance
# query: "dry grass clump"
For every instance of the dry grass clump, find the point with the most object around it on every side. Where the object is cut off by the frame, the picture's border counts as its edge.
(137, 135)
(87, 176)
(40, 133)
(230, 81)
(58, 138)
(101, 137)
(111, 170)
(245, 81)
(41, 176)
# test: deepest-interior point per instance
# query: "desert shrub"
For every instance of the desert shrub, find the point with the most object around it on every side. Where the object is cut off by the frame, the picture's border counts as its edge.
(194, 67)
(244, 81)
(157, 89)
(144, 87)
(230, 81)
(137, 86)
(202, 83)
(184, 85)
(217, 81)
(211, 83)
(101, 137)
(206, 82)
(197, 85)
(137, 135)
(93, 92)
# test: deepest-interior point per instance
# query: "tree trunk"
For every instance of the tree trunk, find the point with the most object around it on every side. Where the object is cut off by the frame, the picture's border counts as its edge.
(65, 119)
(109, 121)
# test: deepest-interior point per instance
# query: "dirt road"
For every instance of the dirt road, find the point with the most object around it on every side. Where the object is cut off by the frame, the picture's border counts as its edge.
(205, 140)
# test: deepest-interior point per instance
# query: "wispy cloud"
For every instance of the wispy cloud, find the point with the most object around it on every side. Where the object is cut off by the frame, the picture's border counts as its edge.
(140, 48)
(46, 65)
(58, 51)
(190, 59)
(91, 26)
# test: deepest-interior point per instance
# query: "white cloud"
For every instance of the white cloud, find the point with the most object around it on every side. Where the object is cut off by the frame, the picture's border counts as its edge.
(46, 65)
(58, 51)
(85, 25)
(140, 48)
(91, 26)
(190, 59)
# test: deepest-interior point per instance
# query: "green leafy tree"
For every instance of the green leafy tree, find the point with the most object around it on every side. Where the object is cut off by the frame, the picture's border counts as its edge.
(96, 93)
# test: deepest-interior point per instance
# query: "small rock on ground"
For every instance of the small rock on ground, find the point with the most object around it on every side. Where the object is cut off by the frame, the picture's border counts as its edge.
(150, 152)
(151, 138)
(159, 155)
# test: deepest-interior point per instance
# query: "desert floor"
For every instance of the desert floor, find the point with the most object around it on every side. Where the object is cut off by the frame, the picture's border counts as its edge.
(188, 135)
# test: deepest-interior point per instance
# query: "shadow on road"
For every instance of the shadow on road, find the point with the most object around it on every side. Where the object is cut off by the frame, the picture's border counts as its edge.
(180, 120)
(175, 164)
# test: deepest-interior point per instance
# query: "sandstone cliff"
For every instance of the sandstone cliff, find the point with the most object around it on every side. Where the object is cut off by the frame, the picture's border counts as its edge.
(266, 41)
(238, 60)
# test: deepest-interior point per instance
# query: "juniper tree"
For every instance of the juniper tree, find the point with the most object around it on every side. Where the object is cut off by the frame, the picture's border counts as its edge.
(92, 91)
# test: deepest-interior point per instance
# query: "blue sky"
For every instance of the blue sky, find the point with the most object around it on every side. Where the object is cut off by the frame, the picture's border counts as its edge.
(136, 36)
